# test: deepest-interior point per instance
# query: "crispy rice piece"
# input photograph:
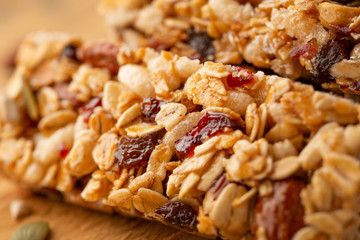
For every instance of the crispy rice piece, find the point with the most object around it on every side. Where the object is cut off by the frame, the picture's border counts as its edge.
(212, 149)
(314, 40)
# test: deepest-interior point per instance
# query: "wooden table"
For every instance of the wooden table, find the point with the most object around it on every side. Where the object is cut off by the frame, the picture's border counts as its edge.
(68, 222)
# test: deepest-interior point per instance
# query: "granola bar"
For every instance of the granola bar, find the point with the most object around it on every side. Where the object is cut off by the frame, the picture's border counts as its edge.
(210, 148)
(313, 40)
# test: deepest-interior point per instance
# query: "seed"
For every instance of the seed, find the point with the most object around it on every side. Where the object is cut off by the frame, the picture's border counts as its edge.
(32, 231)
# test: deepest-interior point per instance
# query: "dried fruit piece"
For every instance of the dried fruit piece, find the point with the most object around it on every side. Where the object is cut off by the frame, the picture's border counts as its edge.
(62, 89)
(202, 43)
(219, 185)
(275, 212)
(102, 54)
(240, 77)
(178, 214)
(63, 150)
(89, 107)
(332, 52)
(34, 231)
(69, 51)
(149, 108)
(210, 124)
(136, 151)
(307, 51)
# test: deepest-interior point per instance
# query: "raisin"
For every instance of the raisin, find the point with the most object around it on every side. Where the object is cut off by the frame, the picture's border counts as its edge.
(62, 89)
(203, 44)
(332, 52)
(218, 186)
(281, 215)
(307, 51)
(136, 151)
(69, 51)
(89, 107)
(63, 150)
(244, 76)
(102, 54)
(150, 108)
(210, 124)
(178, 214)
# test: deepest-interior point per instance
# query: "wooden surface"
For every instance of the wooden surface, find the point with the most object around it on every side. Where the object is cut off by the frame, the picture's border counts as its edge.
(69, 222)
(20, 17)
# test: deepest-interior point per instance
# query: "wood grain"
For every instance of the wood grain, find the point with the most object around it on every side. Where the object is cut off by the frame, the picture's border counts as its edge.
(69, 222)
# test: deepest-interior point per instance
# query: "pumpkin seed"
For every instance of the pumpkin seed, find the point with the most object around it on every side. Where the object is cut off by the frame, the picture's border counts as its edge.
(30, 101)
(32, 231)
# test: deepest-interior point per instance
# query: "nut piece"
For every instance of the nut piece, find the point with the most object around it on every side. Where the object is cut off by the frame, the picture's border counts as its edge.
(339, 17)
(19, 209)
(274, 213)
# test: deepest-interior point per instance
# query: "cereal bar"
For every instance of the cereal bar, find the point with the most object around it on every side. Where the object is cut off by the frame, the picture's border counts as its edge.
(209, 148)
(317, 40)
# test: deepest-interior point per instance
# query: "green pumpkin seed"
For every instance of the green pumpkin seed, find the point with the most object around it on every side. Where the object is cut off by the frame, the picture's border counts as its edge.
(30, 101)
(32, 231)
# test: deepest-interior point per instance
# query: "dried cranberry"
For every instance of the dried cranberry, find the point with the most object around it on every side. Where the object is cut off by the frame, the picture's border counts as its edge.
(210, 124)
(281, 215)
(218, 186)
(136, 151)
(89, 107)
(157, 44)
(342, 29)
(102, 54)
(203, 44)
(355, 86)
(62, 89)
(178, 214)
(332, 52)
(243, 77)
(69, 51)
(63, 150)
(307, 51)
(150, 108)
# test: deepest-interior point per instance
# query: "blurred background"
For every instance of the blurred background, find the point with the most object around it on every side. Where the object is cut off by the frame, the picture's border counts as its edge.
(19, 17)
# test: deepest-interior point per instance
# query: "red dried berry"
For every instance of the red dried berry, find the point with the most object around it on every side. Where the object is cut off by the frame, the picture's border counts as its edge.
(355, 86)
(281, 215)
(150, 108)
(307, 51)
(243, 77)
(219, 185)
(342, 29)
(89, 107)
(63, 150)
(102, 54)
(136, 151)
(209, 125)
(178, 214)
